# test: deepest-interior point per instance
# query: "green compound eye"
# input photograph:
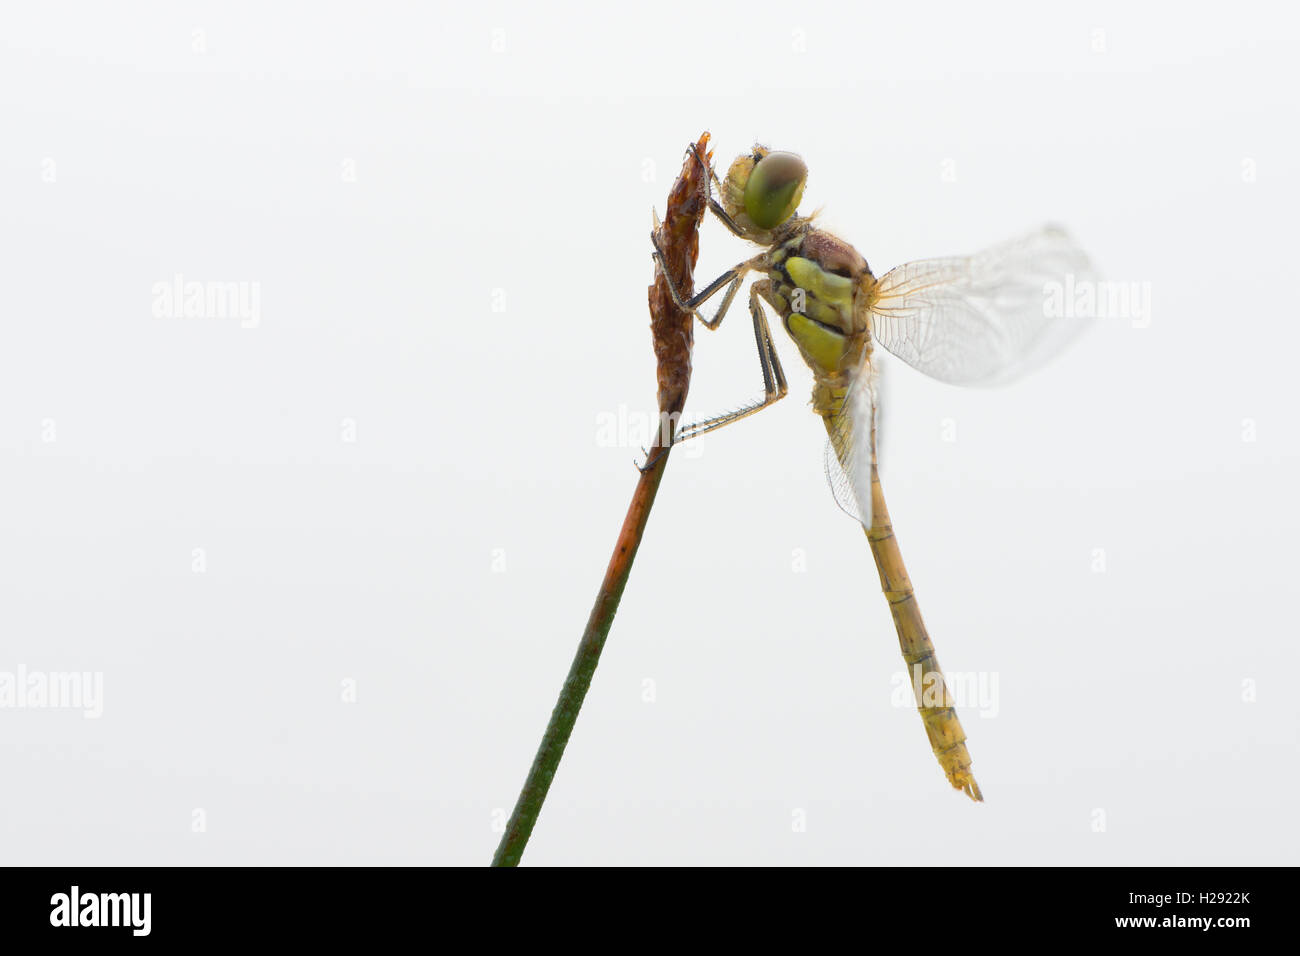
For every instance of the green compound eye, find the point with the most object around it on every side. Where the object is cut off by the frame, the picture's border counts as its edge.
(774, 189)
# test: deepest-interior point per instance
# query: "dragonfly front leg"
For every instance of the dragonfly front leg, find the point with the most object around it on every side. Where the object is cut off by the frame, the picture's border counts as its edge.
(714, 205)
(774, 384)
(716, 208)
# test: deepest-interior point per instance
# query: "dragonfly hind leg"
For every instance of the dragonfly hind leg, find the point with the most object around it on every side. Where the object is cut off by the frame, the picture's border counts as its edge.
(774, 383)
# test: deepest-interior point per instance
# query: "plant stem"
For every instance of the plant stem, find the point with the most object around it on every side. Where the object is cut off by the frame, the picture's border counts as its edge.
(575, 687)
(671, 331)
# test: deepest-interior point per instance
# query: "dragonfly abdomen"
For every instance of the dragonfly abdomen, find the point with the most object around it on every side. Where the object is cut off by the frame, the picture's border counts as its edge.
(934, 700)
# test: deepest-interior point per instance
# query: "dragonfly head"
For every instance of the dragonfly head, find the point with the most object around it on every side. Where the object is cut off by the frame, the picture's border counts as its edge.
(763, 190)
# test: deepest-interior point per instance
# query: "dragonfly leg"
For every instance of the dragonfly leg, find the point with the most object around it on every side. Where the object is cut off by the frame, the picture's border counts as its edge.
(774, 383)
(731, 279)
(650, 459)
(694, 150)
(716, 208)
(714, 205)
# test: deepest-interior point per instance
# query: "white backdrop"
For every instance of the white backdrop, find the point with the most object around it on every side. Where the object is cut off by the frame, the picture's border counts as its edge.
(327, 549)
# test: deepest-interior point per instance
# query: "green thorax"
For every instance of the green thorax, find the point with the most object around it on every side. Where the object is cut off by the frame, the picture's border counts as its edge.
(822, 286)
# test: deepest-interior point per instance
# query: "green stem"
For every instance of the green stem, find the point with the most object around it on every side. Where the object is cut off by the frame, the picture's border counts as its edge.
(574, 691)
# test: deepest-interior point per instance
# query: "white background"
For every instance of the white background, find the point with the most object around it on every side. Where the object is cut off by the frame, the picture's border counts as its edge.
(386, 175)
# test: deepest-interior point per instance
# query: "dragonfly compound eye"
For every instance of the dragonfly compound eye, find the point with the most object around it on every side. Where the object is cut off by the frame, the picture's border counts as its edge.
(774, 189)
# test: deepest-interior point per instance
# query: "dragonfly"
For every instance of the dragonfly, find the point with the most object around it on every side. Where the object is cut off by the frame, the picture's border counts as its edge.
(973, 320)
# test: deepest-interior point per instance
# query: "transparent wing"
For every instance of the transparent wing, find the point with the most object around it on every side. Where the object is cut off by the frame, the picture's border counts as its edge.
(850, 447)
(987, 318)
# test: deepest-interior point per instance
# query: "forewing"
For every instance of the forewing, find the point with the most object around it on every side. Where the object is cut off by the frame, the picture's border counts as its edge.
(983, 319)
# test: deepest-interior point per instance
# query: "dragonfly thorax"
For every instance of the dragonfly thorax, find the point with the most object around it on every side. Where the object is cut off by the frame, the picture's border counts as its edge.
(821, 285)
